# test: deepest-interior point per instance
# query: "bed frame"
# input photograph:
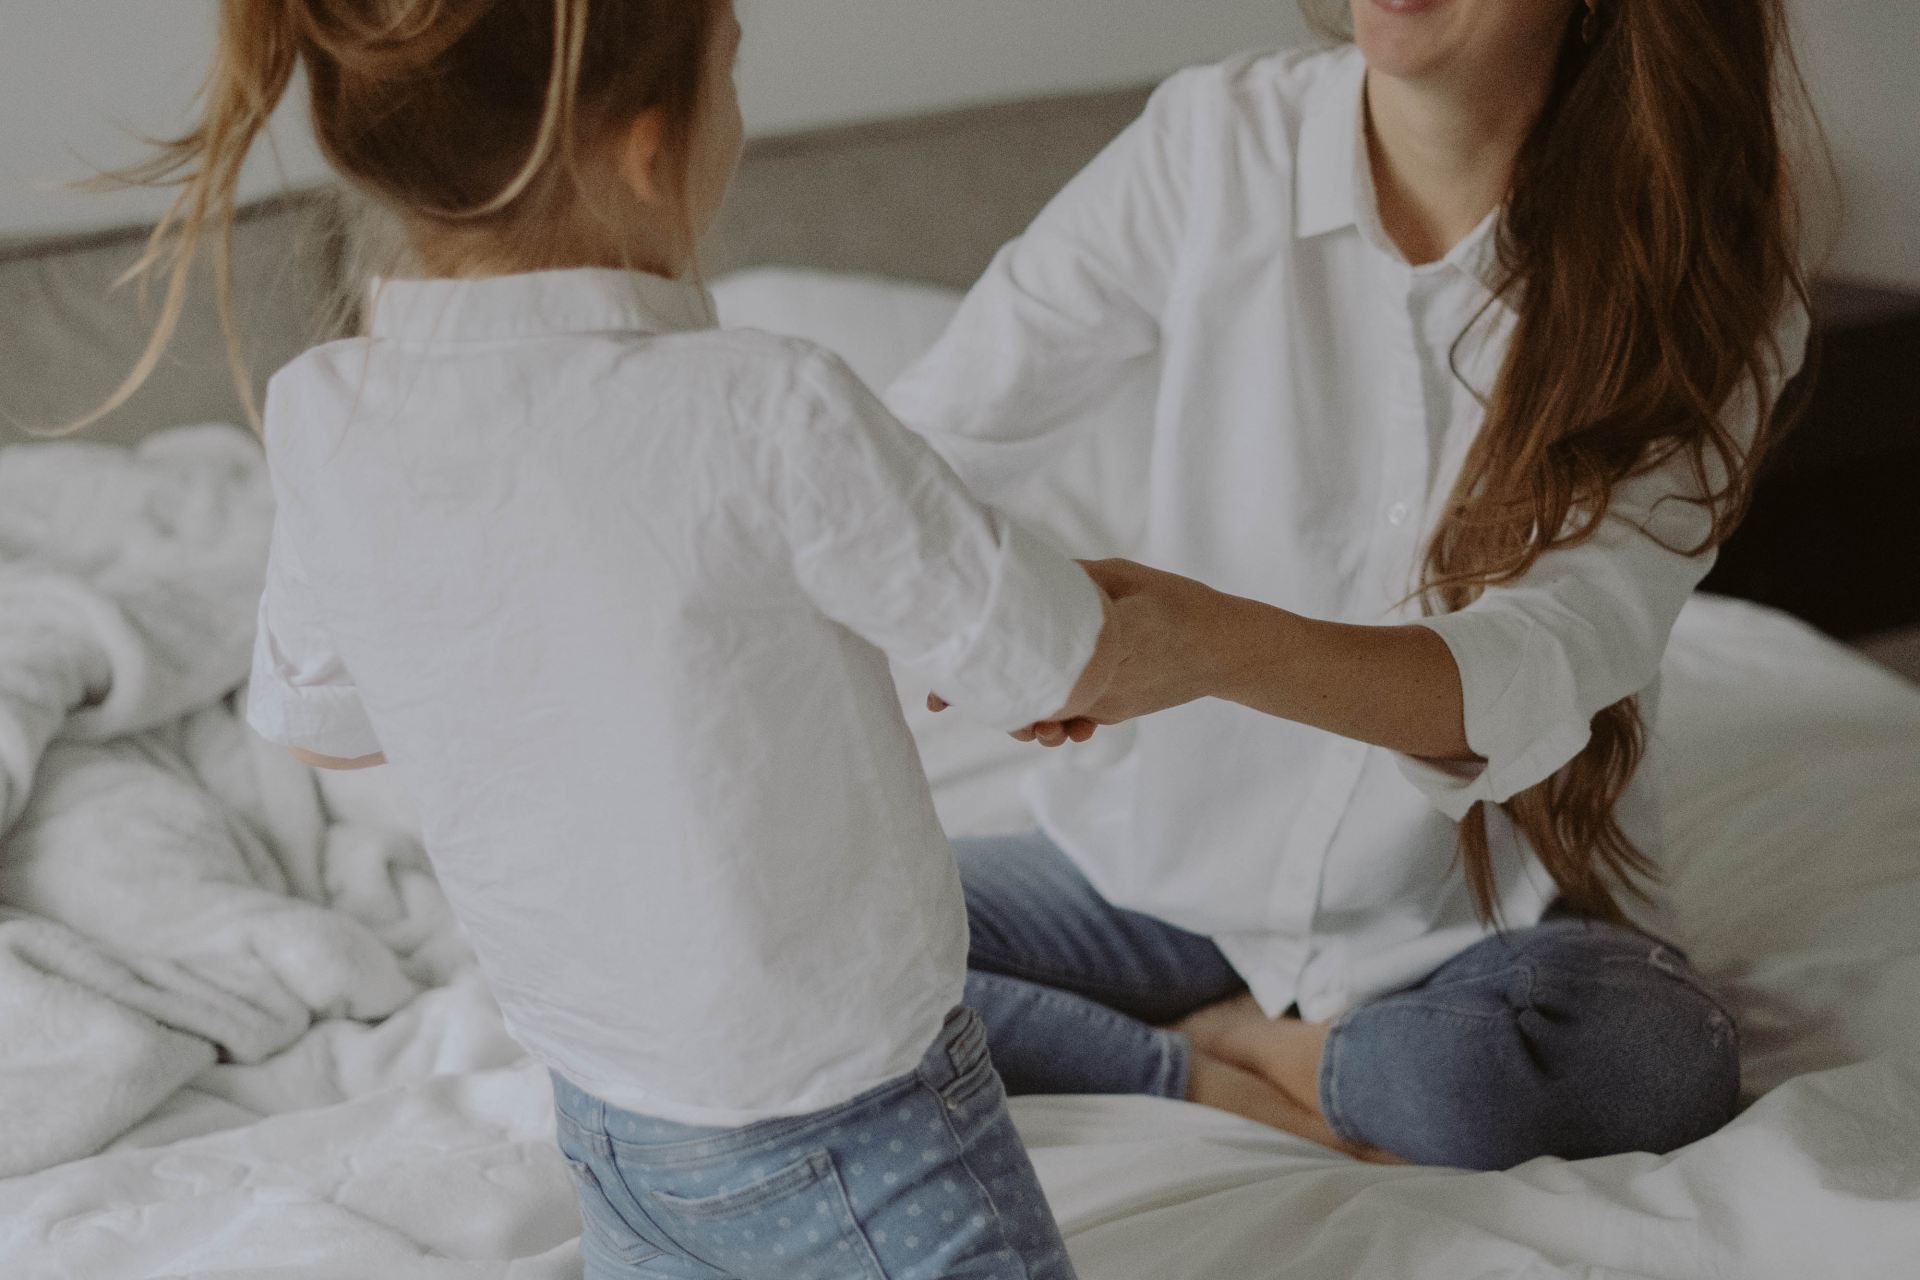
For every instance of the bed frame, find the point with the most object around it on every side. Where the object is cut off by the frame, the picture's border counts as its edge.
(1834, 536)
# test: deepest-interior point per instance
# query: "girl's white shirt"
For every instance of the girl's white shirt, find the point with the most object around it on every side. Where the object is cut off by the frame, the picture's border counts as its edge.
(611, 589)
(1308, 429)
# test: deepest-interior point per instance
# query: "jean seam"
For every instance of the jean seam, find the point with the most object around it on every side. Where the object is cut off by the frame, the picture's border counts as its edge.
(1177, 1070)
(587, 1224)
(960, 1146)
(853, 1220)
(1330, 1084)
(729, 1204)
(1426, 1004)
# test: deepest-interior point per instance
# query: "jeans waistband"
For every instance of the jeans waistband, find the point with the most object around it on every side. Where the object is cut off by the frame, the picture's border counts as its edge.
(961, 1047)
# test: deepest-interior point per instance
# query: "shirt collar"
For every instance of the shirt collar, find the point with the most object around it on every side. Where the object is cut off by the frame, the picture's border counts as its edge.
(1331, 141)
(1333, 175)
(537, 304)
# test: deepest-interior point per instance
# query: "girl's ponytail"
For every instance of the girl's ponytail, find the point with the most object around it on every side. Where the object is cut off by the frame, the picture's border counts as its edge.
(462, 118)
(252, 67)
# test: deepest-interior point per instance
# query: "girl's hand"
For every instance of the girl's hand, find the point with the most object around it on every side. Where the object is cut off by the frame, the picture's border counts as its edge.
(1048, 733)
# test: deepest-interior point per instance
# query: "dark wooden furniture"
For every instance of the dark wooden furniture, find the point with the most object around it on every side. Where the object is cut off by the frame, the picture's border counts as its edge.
(1834, 534)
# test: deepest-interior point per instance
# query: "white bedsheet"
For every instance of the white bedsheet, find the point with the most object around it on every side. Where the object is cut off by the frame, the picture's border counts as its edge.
(456, 1176)
(168, 891)
(419, 1146)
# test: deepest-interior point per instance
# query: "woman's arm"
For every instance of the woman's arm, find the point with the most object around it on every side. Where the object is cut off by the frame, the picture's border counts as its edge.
(1394, 686)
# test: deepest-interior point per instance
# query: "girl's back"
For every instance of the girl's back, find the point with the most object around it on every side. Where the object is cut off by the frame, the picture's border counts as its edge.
(582, 561)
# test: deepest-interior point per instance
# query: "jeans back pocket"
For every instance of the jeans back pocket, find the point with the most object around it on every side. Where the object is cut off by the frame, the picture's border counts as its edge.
(793, 1223)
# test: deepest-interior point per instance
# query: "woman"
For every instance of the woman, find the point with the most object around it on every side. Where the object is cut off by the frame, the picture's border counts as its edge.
(1469, 335)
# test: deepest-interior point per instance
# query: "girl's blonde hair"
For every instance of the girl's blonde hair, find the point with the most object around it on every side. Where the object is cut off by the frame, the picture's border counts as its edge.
(464, 120)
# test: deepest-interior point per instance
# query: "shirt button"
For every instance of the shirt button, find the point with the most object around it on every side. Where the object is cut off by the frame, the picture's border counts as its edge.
(1397, 514)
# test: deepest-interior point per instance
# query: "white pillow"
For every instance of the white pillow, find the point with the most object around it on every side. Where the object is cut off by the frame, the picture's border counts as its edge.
(1789, 770)
(877, 326)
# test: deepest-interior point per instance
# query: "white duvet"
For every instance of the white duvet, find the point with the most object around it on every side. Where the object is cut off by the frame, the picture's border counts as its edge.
(418, 1145)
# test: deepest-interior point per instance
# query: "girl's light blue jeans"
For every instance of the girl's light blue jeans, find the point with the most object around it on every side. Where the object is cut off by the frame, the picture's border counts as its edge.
(922, 1178)
(1574, 1038)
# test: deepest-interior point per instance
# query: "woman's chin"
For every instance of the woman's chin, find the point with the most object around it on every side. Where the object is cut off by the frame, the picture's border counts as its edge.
(1401, 58)
(1406, 43)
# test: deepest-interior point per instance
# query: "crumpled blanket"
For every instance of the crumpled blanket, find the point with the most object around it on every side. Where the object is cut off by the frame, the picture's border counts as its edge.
(171, 891)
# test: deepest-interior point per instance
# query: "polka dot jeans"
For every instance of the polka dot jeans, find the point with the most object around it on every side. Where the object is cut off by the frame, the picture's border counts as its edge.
(923, 1178)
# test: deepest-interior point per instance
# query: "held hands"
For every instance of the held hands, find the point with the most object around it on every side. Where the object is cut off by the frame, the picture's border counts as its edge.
(1048, 733)
(1156, 652)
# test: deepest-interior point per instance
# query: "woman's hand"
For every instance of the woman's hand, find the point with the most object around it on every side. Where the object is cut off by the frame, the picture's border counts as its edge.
(1167, 633)
(1153, 655)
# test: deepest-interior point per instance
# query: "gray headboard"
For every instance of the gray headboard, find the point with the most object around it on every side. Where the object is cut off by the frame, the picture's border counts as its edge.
(927, 199)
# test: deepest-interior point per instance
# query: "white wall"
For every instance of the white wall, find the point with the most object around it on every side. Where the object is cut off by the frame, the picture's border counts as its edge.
(1862, 61)
(810, 62)
(74, 73)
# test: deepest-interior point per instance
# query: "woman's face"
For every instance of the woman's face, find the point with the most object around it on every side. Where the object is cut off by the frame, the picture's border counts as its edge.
(1467, 43)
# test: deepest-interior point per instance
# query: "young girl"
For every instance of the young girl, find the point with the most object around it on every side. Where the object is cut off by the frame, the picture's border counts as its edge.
(611, 589)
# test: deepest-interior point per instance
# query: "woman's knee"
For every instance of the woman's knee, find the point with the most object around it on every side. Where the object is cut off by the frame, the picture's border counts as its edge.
(1534, 1062)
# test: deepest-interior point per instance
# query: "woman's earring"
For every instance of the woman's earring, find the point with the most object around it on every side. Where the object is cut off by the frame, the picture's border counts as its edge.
(1590, 25)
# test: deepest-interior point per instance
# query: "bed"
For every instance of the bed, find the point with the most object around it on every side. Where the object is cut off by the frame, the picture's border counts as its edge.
(239, 1035)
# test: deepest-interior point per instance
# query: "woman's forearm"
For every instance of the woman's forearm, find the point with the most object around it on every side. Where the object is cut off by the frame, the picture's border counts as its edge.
(1394, 686)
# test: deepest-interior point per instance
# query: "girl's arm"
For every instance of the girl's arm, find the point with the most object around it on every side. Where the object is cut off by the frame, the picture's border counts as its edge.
(886, 541)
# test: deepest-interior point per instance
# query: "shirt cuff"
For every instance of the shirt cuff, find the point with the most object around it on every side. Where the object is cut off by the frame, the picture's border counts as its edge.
(1028, 650)
(324, 719)
(1522, 712)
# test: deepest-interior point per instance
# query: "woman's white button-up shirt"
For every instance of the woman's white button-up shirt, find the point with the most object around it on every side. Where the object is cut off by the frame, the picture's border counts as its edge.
(1314, 408)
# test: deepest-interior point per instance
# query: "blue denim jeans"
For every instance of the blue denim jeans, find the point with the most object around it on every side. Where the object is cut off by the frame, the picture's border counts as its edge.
(1573, 1038)
(922, 1178)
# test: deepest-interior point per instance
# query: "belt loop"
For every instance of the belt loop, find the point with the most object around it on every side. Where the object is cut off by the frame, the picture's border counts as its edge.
(965, 1039)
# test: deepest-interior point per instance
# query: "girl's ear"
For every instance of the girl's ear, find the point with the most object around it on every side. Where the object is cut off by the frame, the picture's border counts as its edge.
(638, 153)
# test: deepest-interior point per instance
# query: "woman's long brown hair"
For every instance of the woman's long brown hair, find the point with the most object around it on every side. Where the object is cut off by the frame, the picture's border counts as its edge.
(1649, 247)
(464, 120)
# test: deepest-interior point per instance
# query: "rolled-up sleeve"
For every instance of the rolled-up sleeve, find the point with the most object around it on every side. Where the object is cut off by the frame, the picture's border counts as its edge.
(1588, 625)
(887, 541)
(300, 693)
